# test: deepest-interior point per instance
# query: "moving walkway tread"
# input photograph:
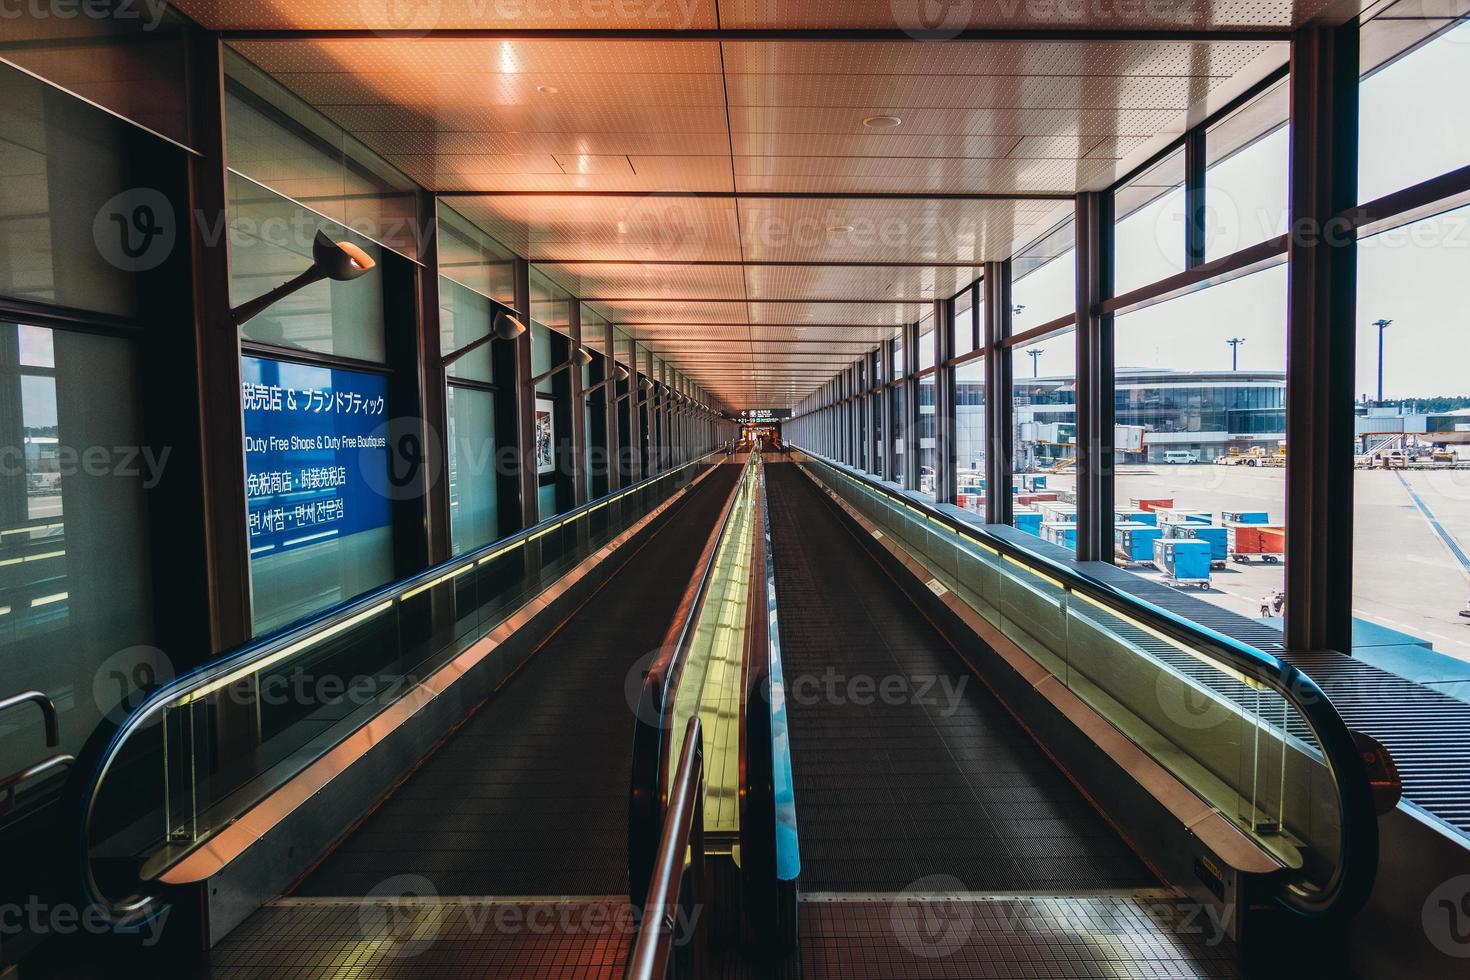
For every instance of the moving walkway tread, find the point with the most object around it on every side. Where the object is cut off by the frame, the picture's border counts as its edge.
(530, 796)
(932, 786)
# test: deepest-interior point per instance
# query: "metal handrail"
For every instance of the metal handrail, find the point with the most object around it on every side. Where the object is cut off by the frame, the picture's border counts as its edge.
(1352, 879)
(650, 755)
(48, 713)
(241, 661)
(683, 832)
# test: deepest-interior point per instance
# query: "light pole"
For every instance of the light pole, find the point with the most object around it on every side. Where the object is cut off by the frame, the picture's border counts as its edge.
(1035, 353)
(1382, 325)
(1235, 343)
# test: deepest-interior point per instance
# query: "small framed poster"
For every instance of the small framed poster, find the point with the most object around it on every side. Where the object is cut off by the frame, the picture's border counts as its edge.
(545, 435)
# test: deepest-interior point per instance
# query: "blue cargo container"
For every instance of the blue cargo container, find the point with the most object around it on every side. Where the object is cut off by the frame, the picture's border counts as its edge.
(1245, 517)
(1028, 521)
(1177, 515)
(1060, 533)
(1184, 561)
(1136, 517)
(1218, 537)
(1034, 481)
(1134, 541)
(1057, 511)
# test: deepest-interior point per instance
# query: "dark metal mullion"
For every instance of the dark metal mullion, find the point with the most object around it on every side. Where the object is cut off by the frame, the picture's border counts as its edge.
(910, 394)
(579, 406)
(999, 403)
(946, 453)
(526, 401)
(1321, 344)
(1195, 213)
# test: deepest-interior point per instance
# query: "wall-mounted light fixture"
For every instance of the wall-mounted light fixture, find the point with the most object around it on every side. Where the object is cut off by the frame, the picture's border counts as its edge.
(338, 261)
(507, 326)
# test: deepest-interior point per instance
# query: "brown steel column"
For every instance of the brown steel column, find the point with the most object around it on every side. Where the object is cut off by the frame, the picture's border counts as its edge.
(998, 408)
(1321, 338)
(610, 409)
(222, 426)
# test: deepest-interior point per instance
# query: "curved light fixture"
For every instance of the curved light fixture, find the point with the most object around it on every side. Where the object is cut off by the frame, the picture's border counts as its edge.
(882, 122)
(622, 372)
(583, 356)
(338, 261)
(507, 326)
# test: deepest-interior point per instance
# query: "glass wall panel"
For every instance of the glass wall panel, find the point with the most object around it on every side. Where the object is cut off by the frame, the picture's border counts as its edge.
(970, 437)
(1044, 279)
(270, 243)
(279, 141)
(472, 258)
(1413, 117)
(966, 336)
(1411, 490)
(1246, 174)
(473, 517)
(1148, 230)
(1201, 436)
(900, 432)
(1044, 432)
(317, 486)
(926, 432)
(87, 202)
(74, 529)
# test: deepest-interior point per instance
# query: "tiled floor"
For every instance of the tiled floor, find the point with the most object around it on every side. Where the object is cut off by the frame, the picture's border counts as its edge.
(886, 938)
(881, 937)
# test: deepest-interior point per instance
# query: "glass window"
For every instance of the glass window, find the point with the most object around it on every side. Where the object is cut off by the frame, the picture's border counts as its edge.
(926, 432)
(319, 503)
(970, 435)
(282, 143)
(1246, 174)
(1201, 427)
(473, 516)
(475, 260)
(1412, 124)
(270, 243)
(1044, 427)
(1411, 490)
(88, 203)
(900, 367)
(926, 343)
(900, 433)
(1148, 229)
(74, 535)
(1044, 279)
(965, 323)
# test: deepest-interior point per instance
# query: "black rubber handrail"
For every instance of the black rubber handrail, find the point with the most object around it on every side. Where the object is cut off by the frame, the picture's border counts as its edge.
(135, 908)
(1347, 890)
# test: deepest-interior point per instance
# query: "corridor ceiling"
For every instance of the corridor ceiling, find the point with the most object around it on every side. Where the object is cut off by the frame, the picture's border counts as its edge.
(761, 191)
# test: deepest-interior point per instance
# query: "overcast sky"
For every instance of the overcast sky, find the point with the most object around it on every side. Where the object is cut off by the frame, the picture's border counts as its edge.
(1415, 123)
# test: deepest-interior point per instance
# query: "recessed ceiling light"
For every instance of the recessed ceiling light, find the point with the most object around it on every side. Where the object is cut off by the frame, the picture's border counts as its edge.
(839, 229)
(547, 89)
(882, 122)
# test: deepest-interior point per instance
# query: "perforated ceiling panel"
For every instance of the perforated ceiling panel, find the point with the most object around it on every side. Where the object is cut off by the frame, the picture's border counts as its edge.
(614, 162)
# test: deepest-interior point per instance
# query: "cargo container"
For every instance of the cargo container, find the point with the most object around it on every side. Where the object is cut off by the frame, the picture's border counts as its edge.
(1044, 495)
(1179, 515)
(970, 501)
(1245, 517)
(1184, 561)
(1248, 543)
(1134, 542)
(1136, 517)
(1028, 521)
(1033, 481)
(1060, 533)
(1054, 511)
(1024, 500)
(1218, 537)
(1151, 503)
(1273, 540)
